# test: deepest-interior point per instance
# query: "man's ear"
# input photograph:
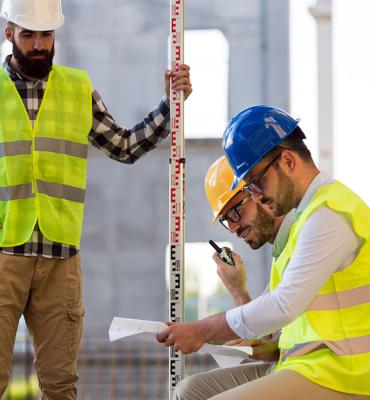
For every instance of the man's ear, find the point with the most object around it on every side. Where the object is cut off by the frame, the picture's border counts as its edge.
(9, 34)
(288, 161)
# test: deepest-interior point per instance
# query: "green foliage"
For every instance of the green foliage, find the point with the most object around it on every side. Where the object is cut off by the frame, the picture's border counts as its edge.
(22, 389)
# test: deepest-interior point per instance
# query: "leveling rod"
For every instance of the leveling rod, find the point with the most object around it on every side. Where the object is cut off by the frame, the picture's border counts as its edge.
(176, 193)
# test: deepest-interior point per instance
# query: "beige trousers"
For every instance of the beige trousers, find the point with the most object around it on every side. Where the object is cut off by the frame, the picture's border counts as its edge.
(48, 292)
(249, 382)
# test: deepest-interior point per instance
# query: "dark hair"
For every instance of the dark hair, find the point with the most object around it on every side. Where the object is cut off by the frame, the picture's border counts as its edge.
(295, 142)
(11, 24)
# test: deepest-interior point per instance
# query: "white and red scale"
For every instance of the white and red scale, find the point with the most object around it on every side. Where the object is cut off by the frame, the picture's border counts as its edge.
(176, 193)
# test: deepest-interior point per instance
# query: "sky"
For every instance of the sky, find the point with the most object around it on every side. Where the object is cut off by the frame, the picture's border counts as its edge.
(351, 85)
(209, 64)
(303, 70)
(351, 94)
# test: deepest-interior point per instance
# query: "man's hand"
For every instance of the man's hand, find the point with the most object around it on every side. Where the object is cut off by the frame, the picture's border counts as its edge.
(234, 278)
(189, 337)
(186, 337)
(181, 80)
(264, 350)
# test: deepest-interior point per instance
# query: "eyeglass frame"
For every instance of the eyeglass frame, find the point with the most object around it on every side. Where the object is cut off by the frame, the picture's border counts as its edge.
(223, 220)
(253, 186)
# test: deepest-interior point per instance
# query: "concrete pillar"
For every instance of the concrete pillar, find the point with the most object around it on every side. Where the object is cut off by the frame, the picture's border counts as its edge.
(322, 12)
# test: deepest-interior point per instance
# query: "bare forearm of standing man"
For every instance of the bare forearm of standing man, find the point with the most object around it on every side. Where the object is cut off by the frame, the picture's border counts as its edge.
(188, 337)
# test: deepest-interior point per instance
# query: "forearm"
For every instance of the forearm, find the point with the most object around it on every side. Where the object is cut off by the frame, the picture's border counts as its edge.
(214, 328)
(234, 278)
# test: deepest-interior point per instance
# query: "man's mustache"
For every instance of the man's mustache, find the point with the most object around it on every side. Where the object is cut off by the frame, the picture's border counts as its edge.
(37, 53)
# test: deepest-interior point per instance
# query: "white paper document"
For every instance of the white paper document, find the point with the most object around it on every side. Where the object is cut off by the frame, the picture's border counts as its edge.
(225, 356)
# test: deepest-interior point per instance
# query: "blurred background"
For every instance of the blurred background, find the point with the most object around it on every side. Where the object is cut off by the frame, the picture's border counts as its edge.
(308, 57)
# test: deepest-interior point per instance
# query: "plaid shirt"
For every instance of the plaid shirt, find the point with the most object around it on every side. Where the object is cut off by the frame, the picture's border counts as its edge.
(120, 144)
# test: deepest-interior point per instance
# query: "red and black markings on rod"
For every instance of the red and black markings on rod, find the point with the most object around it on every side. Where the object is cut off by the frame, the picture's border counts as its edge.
(177, 188)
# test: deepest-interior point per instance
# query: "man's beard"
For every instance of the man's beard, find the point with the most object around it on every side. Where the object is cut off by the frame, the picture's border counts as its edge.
(263, 225)
(261, 228)
(285, 197)
(35, 68)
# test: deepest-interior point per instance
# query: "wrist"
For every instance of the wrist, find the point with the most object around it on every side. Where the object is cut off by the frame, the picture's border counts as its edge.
(213, 328)
(241, 297)
(204, 330)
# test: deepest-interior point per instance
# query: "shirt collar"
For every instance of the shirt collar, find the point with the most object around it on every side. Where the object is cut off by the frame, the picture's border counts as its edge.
(321, 179)
(14, 76)
(283, 233)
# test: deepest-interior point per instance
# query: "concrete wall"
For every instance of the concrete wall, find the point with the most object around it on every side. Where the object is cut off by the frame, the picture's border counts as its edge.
(123, 44)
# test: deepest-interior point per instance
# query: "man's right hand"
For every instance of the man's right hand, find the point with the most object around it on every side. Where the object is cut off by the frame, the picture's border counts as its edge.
(181, 80)
(234, 278)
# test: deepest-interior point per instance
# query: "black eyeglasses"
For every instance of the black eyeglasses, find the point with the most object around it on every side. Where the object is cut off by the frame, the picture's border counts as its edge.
(233, 214)
(254, 186)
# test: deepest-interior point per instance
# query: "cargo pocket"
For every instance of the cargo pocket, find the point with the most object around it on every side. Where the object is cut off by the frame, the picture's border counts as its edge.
(75, 317)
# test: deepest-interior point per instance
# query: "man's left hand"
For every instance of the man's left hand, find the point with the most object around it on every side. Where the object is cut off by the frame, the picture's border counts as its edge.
(263, 350)
(234, 278)
(181, 80)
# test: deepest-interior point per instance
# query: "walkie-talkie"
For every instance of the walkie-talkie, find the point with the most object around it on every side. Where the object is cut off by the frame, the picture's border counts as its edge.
(224, 253)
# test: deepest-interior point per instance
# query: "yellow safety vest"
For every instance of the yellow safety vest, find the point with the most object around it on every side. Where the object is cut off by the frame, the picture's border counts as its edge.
(43, 169)
(330, 342)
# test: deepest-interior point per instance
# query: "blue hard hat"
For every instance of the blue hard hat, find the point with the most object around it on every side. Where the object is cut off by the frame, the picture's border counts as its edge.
(251, 134)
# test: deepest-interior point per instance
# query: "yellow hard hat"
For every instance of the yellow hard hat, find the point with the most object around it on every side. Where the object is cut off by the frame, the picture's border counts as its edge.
(218, 183)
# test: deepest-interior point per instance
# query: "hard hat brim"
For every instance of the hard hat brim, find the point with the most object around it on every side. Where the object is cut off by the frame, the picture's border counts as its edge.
(237, 180)
(41, 25)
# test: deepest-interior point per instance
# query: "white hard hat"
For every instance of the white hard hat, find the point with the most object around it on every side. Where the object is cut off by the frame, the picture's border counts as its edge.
(35, 15)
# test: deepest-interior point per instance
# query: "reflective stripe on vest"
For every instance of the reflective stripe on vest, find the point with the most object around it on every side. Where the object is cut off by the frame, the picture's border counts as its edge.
(61, 146)
(61, 191)
(43, 168)
(345, 347)
(15, 148)
(51, 189)
(343, 299)
(16, 192)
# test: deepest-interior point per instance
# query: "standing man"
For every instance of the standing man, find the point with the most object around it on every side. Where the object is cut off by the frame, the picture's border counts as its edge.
(255, 225)
(319, 286)
(48, 114)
